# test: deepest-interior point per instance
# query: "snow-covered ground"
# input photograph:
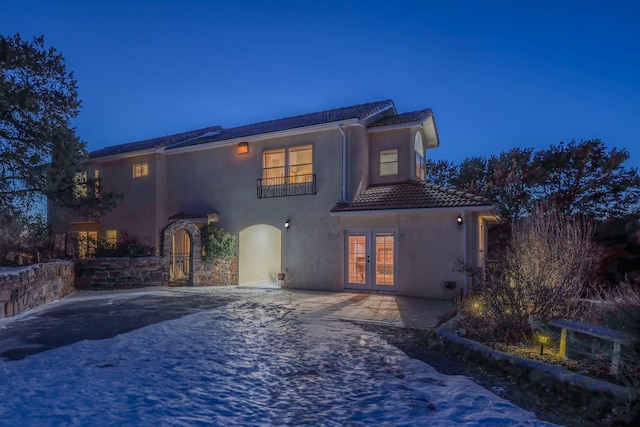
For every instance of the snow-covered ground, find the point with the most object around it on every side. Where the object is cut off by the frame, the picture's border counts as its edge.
(243, 364)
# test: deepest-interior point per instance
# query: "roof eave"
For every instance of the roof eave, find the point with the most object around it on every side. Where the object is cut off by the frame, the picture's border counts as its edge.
(482, 208)
(124, 155)
(262, 136)
(394, 126)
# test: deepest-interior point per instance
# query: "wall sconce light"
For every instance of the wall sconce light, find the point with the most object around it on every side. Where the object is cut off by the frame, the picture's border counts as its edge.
(287, 224)
(243, 148)
(460, 222)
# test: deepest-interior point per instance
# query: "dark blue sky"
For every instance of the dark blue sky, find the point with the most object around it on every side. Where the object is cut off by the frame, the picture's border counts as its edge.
(497, 74)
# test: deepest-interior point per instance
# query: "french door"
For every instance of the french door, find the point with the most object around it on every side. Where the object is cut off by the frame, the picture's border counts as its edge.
(370, 260)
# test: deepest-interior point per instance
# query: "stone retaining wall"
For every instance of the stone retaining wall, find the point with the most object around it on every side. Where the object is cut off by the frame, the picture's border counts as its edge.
(220, 272)
(598, 395)
(121, 273)
(23, 288)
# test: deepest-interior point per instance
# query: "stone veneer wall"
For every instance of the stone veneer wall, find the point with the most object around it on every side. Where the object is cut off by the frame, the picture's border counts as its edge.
(218, 273)
(23, 288)
(121, 273)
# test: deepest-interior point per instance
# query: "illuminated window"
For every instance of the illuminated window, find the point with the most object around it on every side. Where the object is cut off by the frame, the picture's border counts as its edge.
(420, 162)
(80, 185)
(273, 167)
(86, 242)
(140, 169)
(385, 259)
(295, 163)
(388, 162)
(111, 236)
(300, 163)
(96, 176)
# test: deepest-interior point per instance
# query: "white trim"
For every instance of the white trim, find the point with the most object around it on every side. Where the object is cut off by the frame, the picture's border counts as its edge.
(371, 259)
(278, 134)
(416, 210)
(121, 155)
(395, 126)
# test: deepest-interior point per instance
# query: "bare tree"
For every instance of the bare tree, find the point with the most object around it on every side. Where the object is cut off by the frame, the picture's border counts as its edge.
(546, 266)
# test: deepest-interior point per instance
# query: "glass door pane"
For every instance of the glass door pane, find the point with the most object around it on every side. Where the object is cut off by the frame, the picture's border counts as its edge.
(385, 259)
(357, 259)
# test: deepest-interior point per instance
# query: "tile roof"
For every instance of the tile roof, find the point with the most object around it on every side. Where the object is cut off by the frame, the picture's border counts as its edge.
(412, 116)
(410, 195)
(359, 112)
(209, 215)
(159, 142)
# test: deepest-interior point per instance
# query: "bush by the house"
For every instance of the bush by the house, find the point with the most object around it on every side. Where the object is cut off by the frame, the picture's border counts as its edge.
(125, 247)
(216, 243)
(547, 264)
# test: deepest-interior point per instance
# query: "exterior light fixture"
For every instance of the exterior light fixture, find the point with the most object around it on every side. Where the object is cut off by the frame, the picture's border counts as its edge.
(243, 148)
(287, 224)
(460, 221)
(543, 339)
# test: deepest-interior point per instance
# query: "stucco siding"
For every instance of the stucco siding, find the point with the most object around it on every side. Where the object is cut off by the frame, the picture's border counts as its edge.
(399, 139)
(428, 245)
(136, 211)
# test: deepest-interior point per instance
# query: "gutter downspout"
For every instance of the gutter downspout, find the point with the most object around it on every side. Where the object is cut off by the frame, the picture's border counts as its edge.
(344, 165)
(464, 250)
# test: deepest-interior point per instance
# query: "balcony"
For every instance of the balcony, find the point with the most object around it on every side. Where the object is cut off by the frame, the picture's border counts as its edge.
(284, 186)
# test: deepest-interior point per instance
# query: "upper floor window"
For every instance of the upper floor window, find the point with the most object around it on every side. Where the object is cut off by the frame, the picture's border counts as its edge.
(96, 176)
(287, 172)
(388, 162)
(273, 166)
(420, 162)
(300, 163)
(289, 165)
(140, 169)
(80, 185)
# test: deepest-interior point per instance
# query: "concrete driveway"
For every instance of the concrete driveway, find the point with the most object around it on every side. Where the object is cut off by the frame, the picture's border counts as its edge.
(95, 315)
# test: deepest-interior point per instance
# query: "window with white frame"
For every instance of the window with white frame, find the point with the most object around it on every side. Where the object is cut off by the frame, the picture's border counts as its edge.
(420, 161)
(140, 170)
(388, 162)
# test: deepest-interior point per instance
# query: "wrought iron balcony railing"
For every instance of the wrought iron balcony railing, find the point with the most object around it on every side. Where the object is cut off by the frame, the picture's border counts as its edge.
(284, 186)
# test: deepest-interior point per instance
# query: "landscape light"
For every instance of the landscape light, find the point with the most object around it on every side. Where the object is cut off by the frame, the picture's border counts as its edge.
(542, 340)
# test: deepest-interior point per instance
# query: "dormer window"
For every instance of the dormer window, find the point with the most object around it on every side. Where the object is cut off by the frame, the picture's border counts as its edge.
(388, 162)
(420, 162)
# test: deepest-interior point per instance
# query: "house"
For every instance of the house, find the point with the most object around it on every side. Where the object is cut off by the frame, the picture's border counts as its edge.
(334, 200)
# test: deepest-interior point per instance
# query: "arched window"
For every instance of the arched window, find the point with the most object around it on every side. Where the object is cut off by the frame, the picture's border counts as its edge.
(420, 162)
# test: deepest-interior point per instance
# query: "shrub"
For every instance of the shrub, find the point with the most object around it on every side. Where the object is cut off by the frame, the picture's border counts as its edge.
(548, 261)
(216, 243)
(126, 246)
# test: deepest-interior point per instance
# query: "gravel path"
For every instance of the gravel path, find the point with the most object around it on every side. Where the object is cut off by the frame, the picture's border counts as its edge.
(425, 346)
